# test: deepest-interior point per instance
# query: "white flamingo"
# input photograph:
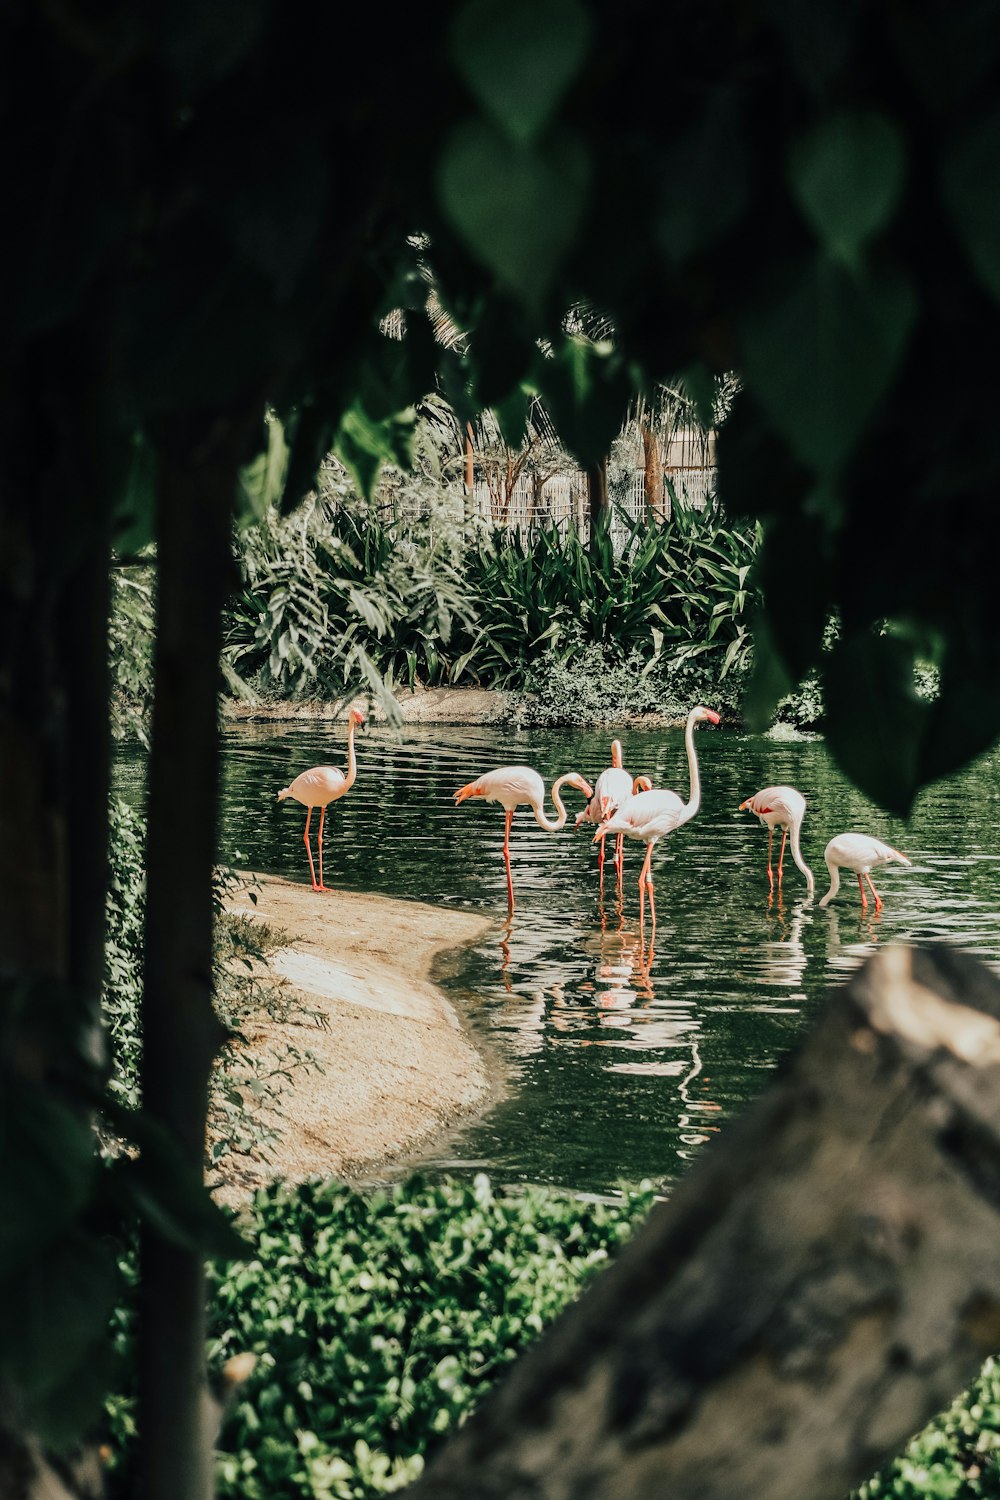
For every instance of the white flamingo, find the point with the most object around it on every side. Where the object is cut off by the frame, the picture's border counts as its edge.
(518, 786)
(613, 787)
(319, 787)
(862, 854)
(781, 807)
(649, 816)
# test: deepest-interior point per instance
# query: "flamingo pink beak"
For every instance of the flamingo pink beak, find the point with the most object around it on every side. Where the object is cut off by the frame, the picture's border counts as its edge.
(712, 716)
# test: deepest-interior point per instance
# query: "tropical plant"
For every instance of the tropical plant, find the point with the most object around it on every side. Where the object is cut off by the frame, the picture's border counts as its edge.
(378, 1321)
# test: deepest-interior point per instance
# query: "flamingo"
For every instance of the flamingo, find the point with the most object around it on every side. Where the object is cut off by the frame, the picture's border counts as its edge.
(319, 787)
(516, 786)
(649, 816)
(860, 853)
(613, 787)
(781, 807)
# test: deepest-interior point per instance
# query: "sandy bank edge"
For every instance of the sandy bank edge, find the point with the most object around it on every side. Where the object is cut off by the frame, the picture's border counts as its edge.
(459, 705)
(398, 1065)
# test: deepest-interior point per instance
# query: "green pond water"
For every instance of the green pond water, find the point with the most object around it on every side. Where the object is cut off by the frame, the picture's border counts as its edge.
(620, 1064)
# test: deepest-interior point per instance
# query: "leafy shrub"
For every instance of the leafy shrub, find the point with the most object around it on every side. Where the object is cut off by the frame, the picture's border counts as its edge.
(677, 592)
(245, 1104)
(956, 1457)
(378, 1323)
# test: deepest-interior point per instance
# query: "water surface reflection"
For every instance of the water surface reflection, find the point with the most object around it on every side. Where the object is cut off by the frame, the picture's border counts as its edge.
(625, 1055)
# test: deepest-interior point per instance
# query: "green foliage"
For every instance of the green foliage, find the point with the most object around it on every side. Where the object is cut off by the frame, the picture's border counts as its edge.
(126, 906)
(956, 1457)
(130, 650)
(677, 593)
(378, 1323)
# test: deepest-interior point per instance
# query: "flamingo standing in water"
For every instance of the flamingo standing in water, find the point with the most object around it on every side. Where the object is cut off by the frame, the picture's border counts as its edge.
(613, 787)
(781, 807)
(862, 854)
(517, 786)
(321, 786)
(649, 816)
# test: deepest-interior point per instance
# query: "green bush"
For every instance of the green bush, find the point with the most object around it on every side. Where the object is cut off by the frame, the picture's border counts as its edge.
(956, 1457)
(378, 1322)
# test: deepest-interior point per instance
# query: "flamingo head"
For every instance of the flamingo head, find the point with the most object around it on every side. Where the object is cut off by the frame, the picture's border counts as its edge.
(357, 717)
(574, 779)
(642, 784)
(701, 712)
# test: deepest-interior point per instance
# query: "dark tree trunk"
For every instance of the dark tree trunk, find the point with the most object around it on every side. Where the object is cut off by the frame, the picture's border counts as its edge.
(823, 1281)
(180, 1031)
(652, 474)
(53, 762)
(599, 505)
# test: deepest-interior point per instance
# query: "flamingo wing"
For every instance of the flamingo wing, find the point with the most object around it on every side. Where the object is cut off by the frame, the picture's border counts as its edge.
(508, 785)
(316, 787)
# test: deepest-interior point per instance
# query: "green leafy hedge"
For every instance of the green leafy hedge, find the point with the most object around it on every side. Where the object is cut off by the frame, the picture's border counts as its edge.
(378, 1322)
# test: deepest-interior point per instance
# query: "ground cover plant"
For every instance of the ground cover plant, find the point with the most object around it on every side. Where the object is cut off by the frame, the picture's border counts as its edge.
(378, 1321)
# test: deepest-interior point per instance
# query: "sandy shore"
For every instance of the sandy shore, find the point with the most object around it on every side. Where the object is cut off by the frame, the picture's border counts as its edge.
(397, 1064)
(465, 705)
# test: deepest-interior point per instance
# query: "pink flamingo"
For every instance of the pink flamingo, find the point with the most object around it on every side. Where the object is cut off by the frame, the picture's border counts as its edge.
(649, 816)
(516, 786)
(781, 807)
(862, 854)
(321, 786)
(613, 787)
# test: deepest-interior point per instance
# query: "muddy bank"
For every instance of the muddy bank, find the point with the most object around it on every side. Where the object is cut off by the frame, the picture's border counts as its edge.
(397, 1063)
(425, 706)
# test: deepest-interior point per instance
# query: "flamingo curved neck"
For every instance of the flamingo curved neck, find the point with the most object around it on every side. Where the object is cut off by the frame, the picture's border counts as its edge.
(834, 883)
(352, 765)
(693, 803)
(539, 811)
(797, 856)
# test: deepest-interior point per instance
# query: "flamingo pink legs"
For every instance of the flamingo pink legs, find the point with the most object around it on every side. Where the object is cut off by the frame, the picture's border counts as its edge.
(646, 884)
(781, 855)
(864, 898)
(508, 820)
(312, 868)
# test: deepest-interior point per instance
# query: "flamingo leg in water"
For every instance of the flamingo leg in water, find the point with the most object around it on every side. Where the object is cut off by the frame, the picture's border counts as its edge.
(508, 820)
(878, 898)
(646, 881)
(322, 815)
(600, 864)
(305, 836)
(864, 898)
(620, 856)
(770, 872)
(781, 852)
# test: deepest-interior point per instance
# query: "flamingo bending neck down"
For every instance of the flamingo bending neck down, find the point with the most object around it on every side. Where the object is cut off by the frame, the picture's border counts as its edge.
(649, 816)
(862, 854)
(781, 807)
(612, 788)
(321, 786)
(517, 786)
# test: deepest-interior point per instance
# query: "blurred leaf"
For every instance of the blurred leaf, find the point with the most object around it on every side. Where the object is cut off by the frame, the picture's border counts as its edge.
(702, 180)
(261, 482)
(820, 359)
(969, 188)
(875, 721)
(587, 388)
(770, 680)
(59, 1311)
(46, 1171)
(135, 506)
(847, 175)
(517, 208)
(519, 56)
(365, 445)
